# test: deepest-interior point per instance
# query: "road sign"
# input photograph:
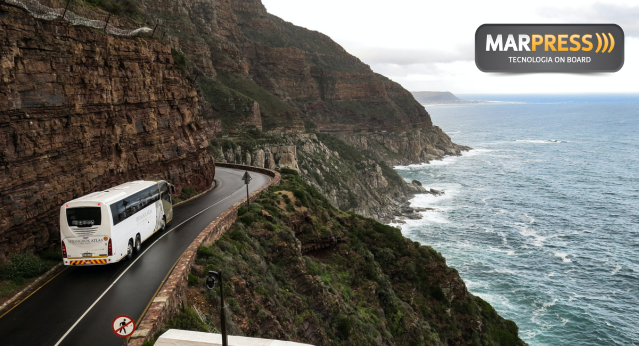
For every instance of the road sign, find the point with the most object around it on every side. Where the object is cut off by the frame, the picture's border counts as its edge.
(247, 178)
(123, 326)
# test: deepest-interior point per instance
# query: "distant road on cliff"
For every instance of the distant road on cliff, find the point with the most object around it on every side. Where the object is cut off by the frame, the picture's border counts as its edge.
(73, 308)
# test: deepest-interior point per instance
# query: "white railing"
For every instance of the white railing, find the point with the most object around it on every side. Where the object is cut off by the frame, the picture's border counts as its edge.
(41, 11)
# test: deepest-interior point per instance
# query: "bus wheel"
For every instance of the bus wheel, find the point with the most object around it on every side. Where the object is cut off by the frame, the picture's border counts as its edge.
(163, 224)
(138, 244)
(129, 250)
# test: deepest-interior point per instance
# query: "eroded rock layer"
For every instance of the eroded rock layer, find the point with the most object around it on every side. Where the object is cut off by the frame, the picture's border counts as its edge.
(81, 111)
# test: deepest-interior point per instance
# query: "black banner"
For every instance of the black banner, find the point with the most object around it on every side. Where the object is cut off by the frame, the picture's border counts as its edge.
(549, 48)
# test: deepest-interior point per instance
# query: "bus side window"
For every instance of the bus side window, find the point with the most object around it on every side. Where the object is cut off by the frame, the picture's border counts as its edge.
(118, 212)
(164, 190)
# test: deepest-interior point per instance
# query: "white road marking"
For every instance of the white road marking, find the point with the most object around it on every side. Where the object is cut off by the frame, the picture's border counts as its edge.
(132, 263)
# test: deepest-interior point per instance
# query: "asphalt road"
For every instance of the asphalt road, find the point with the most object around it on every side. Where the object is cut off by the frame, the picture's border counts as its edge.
(78, 306)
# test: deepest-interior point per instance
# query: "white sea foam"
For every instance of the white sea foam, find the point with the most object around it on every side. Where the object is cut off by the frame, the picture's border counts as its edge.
(563, 256)
(445, 161)
(537, 239)
(509, 252)
(541, 141)
(616, 270)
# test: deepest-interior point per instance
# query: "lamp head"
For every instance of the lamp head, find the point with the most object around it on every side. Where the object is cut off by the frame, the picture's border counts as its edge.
(211, 280)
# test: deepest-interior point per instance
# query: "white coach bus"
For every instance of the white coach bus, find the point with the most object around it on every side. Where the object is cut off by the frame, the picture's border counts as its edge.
(106, 226)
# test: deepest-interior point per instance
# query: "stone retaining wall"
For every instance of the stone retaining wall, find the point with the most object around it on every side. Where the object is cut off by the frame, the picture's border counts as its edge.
(172, 295)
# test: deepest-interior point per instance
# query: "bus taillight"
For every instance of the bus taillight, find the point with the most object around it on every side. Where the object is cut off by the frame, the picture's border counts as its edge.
(64, 250)
(110, 248)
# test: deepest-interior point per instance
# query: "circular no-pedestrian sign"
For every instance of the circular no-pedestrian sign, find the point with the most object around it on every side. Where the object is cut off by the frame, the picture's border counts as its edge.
(123, 326)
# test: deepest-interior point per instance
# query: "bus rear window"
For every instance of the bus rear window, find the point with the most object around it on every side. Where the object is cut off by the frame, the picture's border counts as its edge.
(84, 217)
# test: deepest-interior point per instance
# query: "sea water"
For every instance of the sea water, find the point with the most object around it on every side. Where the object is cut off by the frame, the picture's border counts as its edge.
(541, 218)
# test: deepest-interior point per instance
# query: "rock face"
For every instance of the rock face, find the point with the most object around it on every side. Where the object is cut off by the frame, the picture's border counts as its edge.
(302, 79)
(351, 180)
(81, 111)
(405, 147)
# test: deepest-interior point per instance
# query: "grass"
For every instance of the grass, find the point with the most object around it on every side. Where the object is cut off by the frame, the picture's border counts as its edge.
(23, 269)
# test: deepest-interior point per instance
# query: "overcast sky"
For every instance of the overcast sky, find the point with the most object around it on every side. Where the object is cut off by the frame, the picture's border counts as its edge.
(429, 45)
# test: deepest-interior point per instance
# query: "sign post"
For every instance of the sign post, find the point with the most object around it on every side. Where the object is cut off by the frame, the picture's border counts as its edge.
(123, 326)
(247, 179)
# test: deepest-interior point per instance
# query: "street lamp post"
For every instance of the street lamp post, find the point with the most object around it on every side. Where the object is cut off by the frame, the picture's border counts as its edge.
(210, 284)
(247, 179)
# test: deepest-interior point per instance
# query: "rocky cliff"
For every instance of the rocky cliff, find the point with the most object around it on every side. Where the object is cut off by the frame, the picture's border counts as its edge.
(239, 45)
(81, 111)
(296, 268)
(349, 178)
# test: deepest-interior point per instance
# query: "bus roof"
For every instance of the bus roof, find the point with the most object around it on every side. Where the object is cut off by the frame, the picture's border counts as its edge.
(115, 193)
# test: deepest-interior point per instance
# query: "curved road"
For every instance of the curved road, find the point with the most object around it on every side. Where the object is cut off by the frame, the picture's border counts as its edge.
(78, 306)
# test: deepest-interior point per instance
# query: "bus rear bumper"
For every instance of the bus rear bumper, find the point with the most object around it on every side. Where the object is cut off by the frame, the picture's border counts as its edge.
(97, 261)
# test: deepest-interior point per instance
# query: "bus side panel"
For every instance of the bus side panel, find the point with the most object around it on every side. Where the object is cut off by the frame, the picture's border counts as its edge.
(149, 221)
(123, 232)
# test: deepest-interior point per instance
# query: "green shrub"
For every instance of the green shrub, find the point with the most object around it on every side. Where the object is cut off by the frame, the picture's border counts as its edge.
(247, 219)
(272, 210)
(233, 304)
(51, 255)
(193, 280)
(238, 235)
(262, 314)
(179, 59)
(23, 266)
(188, 192)
(370, 271)
(242, 210)
(288, 171)
(256, 208)
(205, 252)
(117, 7)
(187, 319)
(290, 207)
(437, 293)
(344, 327)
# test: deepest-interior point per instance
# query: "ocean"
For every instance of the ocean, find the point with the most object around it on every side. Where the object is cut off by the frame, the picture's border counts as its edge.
(541, 218)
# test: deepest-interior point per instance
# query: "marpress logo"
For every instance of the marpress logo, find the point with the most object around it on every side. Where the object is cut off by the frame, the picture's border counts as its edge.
(549, 48)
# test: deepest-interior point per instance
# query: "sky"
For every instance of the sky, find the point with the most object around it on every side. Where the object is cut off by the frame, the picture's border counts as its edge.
(429, 45)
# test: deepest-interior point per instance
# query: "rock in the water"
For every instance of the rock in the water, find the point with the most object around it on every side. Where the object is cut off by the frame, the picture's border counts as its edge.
(436, 192)
(417, 182)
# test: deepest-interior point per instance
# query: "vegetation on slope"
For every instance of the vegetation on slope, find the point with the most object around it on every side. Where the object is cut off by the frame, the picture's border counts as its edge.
(24, 269)
(296, 268)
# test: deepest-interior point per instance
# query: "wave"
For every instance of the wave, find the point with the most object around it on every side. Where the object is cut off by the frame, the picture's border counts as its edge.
(616, 270)
(445, 161)
(563, 256)
(541, 141)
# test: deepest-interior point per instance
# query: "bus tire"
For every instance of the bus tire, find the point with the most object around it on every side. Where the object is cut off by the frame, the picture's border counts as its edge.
(138, 244)
(129, 249)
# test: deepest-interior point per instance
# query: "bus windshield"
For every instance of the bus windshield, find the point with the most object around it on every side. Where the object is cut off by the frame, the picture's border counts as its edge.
(84, 217)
